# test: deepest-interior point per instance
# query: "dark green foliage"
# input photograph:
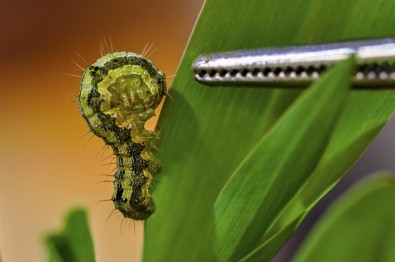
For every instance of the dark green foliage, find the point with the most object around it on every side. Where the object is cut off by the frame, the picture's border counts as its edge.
(74, 243)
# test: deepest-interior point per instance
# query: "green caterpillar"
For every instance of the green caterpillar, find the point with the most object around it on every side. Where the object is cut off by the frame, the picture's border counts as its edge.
(119, 93)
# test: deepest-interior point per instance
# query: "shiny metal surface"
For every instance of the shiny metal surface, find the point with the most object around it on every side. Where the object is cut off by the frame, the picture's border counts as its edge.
(298, 65)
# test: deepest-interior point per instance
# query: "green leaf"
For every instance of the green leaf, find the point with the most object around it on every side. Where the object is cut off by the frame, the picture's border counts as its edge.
(268, 249)
(360, 226)
(244, 209)
(74, 242)
(206, 132)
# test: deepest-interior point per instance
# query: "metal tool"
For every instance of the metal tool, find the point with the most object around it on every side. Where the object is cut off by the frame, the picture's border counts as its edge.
(298, 65)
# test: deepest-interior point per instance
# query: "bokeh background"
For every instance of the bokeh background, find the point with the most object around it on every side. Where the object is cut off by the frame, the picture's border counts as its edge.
(48, 162)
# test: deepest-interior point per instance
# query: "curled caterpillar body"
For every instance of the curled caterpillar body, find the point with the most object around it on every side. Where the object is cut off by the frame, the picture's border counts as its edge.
(119, 93)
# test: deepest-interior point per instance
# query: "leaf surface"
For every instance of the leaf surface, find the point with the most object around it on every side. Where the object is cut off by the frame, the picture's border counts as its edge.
(206, 132)
(265, 181)
(74, 243)
(360, 226)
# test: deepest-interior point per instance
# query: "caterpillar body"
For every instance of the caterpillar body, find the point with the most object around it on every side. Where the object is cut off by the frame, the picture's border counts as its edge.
(118, 94)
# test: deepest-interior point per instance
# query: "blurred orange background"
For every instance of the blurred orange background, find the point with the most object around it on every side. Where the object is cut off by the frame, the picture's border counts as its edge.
(48, 164)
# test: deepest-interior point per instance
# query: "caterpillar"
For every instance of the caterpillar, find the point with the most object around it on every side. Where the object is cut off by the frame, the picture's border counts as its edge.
(118, 94)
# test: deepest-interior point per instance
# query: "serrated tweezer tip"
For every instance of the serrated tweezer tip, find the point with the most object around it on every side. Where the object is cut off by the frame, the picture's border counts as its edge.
(298, 65)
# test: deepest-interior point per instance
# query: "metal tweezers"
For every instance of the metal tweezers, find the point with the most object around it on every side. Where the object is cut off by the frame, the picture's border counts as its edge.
(299, 65)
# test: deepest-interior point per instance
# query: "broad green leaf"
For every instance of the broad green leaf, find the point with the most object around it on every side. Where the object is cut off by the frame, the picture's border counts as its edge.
(74, 242)
(206, 132)
(360, 226)
(269, 248)
(244, 209)
(58, 249)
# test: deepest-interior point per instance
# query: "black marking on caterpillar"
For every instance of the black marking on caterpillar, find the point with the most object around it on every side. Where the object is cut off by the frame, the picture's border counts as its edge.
(119, 93)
